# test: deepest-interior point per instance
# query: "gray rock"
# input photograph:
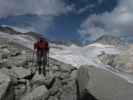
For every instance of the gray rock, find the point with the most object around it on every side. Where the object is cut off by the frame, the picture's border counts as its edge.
(5, 55)
(103, 84)
(5, 65)
(38, 80)
(56, 87)
(39, 93)
(69, 91)
(16, 53)
(66, 68)
(20, 90)
(21, 72)
(61, 66)
(74, 74)
(6, 87)
(66, 96)
(65, 75)
(53, 98)
(3, 46)
(49, 81)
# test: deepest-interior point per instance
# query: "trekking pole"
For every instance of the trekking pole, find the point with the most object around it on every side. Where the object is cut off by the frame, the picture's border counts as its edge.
(33, 60)
(48, 62)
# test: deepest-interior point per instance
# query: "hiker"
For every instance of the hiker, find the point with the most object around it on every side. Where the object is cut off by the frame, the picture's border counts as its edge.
(41, 48)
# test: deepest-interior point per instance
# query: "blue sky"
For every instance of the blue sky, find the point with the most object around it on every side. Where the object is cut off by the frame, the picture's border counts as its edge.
(77, 20)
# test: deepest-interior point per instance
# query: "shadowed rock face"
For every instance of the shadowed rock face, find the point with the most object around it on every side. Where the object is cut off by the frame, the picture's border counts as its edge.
(104, 84)
(5, 84)
(83, 94)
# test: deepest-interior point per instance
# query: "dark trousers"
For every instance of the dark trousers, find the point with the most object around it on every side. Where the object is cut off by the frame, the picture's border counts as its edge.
(41, 61)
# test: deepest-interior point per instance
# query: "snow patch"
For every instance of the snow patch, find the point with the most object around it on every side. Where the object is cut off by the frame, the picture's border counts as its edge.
(86, 55)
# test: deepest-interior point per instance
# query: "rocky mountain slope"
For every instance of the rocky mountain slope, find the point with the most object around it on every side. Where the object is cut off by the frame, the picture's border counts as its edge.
(17, 63)
(18, 31)
(73, 72)
(110, 40)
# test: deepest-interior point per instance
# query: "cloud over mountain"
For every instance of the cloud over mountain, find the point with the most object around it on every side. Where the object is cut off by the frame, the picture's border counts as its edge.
(117, 22)
(41, 12)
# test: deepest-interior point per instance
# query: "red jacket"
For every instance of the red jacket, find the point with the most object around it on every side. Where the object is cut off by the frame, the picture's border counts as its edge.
(41, 45)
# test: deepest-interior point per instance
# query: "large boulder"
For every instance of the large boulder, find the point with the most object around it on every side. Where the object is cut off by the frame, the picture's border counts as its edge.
(39, 93)
(103, 84)
(21, 72)
(6, 88)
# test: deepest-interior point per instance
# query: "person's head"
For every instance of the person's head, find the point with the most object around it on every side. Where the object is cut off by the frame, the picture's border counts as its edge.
(41, 39)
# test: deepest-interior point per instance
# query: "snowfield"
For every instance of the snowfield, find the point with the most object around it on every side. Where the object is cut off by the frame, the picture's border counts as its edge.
(86, 55)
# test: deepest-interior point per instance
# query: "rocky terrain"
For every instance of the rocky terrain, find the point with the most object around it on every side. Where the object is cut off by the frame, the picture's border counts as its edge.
(101, 69)
(17, 63)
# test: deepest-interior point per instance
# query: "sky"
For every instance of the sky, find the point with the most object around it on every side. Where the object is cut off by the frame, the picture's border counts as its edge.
(77, 20)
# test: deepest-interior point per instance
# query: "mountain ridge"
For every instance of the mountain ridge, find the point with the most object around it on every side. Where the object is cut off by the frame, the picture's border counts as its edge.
(111, 40)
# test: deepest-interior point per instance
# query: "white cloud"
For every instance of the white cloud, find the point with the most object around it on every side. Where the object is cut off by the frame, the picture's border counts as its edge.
(37, 7)
(82, 10)
(46, 10)
(70, 8)
(117, 22)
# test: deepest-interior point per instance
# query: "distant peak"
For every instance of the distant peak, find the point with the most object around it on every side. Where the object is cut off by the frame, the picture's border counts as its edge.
(110, 40)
